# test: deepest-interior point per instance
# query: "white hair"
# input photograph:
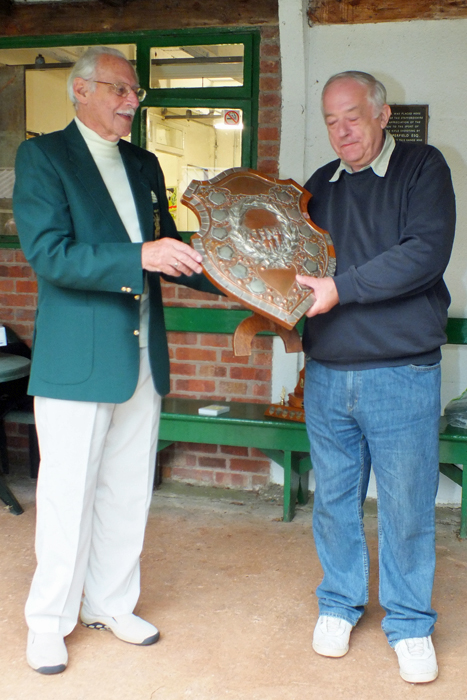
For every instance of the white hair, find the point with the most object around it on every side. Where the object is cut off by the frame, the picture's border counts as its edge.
(375, 88)
(86, 66)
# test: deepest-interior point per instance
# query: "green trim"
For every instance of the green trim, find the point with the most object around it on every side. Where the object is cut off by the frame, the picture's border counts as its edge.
(456, 331)
(204, 320)
(9, 242)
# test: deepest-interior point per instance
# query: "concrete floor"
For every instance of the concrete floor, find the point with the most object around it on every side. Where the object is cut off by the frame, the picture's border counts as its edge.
(231, 588)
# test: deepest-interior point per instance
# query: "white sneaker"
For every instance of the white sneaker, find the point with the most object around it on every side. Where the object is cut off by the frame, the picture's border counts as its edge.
(331, 636)
(417, 660)
(129, 628)
(46, 652)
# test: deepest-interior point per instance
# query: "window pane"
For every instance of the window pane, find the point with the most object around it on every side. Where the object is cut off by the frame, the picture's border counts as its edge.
(192, 144)
(219, 65)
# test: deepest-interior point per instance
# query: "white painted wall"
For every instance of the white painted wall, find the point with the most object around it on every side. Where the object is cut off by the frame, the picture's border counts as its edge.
(420, 62)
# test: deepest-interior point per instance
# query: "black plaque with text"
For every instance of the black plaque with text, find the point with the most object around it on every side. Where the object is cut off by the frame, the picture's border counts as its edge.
(409, 123)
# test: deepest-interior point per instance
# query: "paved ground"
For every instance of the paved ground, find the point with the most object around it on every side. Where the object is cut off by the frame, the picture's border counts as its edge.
(231, 588)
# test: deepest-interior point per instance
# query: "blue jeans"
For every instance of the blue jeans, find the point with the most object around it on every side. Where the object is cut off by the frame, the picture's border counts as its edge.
(387, 419)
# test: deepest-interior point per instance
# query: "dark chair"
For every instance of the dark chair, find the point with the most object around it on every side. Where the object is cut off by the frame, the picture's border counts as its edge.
(14, 398)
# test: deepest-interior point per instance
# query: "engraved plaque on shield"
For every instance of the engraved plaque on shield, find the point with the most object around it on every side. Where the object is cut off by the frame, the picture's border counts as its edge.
(255, 236)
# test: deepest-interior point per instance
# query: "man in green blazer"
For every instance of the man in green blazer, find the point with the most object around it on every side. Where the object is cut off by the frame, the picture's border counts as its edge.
(93, 220)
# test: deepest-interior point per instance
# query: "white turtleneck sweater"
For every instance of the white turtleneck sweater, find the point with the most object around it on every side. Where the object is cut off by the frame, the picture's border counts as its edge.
(109, 162)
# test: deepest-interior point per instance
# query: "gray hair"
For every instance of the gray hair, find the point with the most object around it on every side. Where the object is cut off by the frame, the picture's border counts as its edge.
(86, 66)
(375, 89)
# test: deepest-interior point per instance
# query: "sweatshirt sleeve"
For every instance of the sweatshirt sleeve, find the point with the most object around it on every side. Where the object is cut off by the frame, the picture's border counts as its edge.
(420, 258)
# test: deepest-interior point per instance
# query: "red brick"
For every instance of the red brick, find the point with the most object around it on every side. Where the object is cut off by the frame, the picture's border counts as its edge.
(21, 271)
(262, 359)
(268, 84)
(24, 300)
(269, 99)
(212, 371)
(269, 33)
(7, 255)
(228, 479)
(259, 480)
(182, 338)
(269, 117)
(227, 356)
(216, 340)
(26, 314)
(182, 368)
(212, 462)
(186, 293)
(269, 66)
(233, 388)
(195, 354)
(268, 133)
(250, 465)
(191, 475)
(269, 167)
(7, 285)
(19, 256)
(26, 286)
(233, 450)
(270, 50)
(263, 390)
(198, 447)
(268, 151)
(258, 375)
(197, 386)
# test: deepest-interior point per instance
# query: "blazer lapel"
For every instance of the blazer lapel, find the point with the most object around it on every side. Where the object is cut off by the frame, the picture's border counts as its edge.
(141, 188)
(88, 173)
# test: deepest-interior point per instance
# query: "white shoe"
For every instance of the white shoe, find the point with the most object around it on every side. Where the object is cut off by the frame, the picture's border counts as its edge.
(46, 652)
(331, 636)
(128, 628)
(417, 660)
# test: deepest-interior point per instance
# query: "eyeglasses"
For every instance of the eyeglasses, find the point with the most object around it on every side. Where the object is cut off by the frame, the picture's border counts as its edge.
(123, 89)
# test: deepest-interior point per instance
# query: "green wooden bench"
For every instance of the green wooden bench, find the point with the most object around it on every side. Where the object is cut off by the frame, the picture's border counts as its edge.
(453, 441)
(285, 442)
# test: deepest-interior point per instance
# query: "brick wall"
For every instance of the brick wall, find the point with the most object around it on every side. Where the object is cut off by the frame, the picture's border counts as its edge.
(202, 365)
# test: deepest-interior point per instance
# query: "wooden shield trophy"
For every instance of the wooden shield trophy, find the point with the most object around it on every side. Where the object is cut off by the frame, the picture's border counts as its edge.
(255, 236)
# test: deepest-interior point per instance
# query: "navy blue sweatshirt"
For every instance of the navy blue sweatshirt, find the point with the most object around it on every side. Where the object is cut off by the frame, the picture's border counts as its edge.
(393, 237)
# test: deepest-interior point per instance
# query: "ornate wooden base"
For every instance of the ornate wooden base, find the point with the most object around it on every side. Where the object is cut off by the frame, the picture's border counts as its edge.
(294, 410)
(249, 327)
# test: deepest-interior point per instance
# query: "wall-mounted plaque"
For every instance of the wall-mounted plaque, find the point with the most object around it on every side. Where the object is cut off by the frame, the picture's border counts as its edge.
(409, 123)
(255, 236)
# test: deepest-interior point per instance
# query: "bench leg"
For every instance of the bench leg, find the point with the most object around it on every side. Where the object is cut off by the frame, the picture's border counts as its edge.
(5, 465)
(7, 497)
(291, 485)
(463, 531)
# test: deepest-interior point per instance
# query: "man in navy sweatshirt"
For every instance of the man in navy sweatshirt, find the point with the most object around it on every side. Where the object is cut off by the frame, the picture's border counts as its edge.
(372, 343)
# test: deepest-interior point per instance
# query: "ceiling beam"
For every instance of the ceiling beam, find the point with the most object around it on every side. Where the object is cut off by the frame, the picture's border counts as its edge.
(37, 19)
(364, 11)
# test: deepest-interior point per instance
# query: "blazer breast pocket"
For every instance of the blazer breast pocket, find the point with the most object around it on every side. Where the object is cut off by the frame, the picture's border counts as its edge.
(63, 346)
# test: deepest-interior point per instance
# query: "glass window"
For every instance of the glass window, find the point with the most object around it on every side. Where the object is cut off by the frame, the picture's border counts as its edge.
(216, 65)
(193, 144)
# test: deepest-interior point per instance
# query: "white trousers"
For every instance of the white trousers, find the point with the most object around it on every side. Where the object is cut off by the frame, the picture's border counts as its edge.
(93, 495)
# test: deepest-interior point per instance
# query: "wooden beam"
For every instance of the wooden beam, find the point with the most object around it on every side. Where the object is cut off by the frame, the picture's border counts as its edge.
(364, 11)
(35, 19)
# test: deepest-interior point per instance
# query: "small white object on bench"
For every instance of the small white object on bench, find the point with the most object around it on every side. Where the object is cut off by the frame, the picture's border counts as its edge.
(213, 410)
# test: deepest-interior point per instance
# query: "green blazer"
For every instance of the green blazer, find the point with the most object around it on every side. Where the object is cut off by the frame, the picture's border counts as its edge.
(89, 273)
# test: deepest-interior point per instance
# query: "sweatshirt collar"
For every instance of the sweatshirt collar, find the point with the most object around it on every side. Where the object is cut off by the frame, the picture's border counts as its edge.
(379, 165)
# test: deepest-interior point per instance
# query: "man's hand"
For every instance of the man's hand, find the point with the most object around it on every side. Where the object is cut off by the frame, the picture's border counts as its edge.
(170, 256)
(325, 293)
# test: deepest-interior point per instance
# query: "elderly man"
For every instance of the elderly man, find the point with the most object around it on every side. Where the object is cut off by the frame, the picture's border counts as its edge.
(372, 343)
(93, 220)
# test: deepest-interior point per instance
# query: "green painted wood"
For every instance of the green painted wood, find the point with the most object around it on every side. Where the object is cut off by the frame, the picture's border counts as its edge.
(456, 331)
(244, 426)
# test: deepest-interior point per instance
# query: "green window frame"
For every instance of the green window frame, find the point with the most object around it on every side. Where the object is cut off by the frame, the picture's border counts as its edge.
(244, 97)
